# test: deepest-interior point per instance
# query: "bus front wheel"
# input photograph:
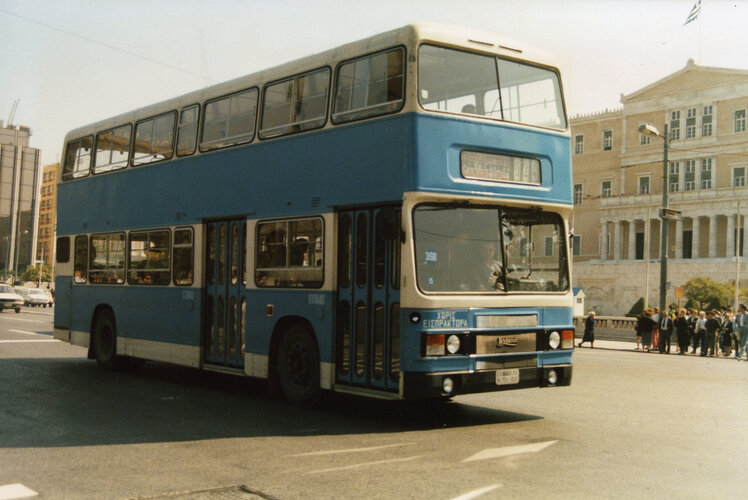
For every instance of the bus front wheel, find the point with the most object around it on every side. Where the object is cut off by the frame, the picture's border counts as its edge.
(297, 367)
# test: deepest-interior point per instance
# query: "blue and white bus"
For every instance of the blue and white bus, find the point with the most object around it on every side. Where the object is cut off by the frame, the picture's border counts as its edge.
(387, 218)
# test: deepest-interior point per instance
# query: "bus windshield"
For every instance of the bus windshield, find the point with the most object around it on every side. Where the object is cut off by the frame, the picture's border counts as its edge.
(475, 84)
(489, 250)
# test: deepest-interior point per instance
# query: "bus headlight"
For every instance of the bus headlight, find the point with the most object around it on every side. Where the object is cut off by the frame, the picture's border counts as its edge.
(448, 385)
(554, 340)
(453, 344)
(552, 377)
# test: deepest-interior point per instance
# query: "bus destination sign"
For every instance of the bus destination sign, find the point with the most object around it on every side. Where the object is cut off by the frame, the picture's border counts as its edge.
(499, 168)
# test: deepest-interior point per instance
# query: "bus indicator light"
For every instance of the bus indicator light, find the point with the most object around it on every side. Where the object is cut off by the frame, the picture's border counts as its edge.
(269, 310)
(435, 345)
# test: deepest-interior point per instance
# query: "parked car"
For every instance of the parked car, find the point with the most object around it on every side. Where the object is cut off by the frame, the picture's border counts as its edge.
(9, 299)
(36, 297)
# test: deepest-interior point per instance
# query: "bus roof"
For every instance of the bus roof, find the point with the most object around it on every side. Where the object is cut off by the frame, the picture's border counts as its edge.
(448, 35)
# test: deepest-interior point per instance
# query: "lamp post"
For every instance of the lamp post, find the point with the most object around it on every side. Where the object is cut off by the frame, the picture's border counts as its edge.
(650, 130)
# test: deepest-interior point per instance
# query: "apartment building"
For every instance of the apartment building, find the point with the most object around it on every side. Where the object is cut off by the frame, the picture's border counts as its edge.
(47, 215)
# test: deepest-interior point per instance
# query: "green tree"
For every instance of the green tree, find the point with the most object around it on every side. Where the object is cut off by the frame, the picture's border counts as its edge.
(32, 274)
(637, 308)
(707, 293)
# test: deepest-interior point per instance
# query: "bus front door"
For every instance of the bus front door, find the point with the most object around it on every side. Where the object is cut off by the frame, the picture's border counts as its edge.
(224, 307)
(368, 305)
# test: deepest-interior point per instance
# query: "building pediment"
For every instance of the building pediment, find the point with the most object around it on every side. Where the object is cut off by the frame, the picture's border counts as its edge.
(692, 78)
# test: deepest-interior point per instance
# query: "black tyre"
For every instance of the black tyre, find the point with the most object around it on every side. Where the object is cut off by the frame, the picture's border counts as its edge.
(18, 310)
(297, 367)
(104, 338)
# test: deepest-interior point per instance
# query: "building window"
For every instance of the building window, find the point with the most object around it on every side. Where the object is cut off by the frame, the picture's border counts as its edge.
(706, 122)
(691, 123)
(690, 177)
(740, 120)
(549, 246)
(738, 177)
(578, 144)
(576, 245)
(674, 177)
(607, 140)
(577, 194)
(644, 140)
(706, 173)
(675, 125)
(606, 189)
(643, 185)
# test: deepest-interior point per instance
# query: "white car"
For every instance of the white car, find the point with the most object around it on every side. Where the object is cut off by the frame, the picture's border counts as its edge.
(36, 297)
(9, 299)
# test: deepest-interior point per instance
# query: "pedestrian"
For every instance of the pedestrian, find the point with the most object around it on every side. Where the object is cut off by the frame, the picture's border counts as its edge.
(699, 332)
(589, 330)
(682, 332)
(725, 339)
(656, 328)
(712, 327)
(666, 330)
(741, 326)
(645, 326)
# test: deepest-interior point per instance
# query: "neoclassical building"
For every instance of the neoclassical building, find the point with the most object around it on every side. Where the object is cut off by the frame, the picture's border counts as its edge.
(618, 183)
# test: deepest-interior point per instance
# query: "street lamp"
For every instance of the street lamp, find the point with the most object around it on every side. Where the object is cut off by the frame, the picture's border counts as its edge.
(665, 214)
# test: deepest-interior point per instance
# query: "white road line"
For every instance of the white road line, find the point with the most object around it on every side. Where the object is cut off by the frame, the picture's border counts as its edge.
(510, 450)
(30, 341)
(27, 333)
(366, 464)
(13, 318)
(476, 493)
(13, 491)
(349, 450)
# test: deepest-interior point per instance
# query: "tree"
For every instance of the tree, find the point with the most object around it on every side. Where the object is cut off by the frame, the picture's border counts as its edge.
(32, 274)
(707, 293)
(637, 308)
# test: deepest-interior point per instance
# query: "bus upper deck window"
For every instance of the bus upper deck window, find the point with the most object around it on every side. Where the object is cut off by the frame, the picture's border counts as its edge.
(78, 158)
(370, 86)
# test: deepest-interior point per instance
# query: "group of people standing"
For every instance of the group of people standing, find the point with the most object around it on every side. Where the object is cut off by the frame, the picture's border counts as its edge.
(716, 332)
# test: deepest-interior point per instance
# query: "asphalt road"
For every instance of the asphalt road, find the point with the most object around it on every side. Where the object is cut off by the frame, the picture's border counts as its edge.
(631, 425)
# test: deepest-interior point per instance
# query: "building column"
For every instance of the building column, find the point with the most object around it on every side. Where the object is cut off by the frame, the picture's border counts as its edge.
(604, 241)
(679, 239)
(632, 240)
(618, 235)
(695, 237)
(712, 236)
(745, 235)
(731, 239)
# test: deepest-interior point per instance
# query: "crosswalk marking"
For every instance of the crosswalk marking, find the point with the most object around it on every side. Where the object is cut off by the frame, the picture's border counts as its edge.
(510, 450)
(13, 491)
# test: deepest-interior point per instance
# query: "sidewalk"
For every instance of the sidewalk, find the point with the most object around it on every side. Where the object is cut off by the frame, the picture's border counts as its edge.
(613, 345)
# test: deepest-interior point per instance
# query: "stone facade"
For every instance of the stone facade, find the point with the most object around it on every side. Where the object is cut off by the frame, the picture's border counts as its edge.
(618, 182)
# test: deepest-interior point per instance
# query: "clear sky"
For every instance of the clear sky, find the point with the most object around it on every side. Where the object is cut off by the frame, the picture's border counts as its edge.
(71, 62)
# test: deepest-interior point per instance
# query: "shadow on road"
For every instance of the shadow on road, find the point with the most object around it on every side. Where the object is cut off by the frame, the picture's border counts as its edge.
(71, 402)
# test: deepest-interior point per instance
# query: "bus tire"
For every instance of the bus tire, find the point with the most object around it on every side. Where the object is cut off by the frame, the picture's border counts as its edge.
(18, 310)
(104, 337)
(297, 367)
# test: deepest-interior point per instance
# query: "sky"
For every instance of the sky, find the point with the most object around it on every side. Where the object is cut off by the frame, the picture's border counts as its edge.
(72, 62)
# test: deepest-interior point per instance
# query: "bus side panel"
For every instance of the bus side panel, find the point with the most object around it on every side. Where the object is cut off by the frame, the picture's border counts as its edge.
(312, 306)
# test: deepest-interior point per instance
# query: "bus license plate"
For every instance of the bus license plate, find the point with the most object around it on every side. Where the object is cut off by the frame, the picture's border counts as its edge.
(507, 377)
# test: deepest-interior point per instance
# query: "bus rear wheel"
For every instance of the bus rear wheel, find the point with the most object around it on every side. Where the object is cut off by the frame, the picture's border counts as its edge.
(297, 367)
(104, 337)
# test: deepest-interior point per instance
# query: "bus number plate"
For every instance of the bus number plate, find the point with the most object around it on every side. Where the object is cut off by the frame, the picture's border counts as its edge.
(507, 377)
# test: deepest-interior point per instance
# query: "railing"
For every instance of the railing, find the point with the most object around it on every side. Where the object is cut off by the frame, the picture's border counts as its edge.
(614, 322)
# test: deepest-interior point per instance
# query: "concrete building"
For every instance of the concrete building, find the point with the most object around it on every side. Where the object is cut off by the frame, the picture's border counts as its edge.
(618, 182)
(20, 178)
(45, 245)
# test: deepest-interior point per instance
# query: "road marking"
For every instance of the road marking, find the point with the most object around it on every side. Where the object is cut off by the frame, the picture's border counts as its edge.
(27, 333)
(510, 450)
(30, 341)
(13, 318)
(349, 450)
(366, 464)
(476, 493)
(12, 491)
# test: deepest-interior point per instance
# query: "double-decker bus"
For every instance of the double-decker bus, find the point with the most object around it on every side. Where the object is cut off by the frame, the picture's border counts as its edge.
(387, 218)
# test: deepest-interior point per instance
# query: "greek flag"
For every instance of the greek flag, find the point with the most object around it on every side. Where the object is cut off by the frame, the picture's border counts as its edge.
(694, 14)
